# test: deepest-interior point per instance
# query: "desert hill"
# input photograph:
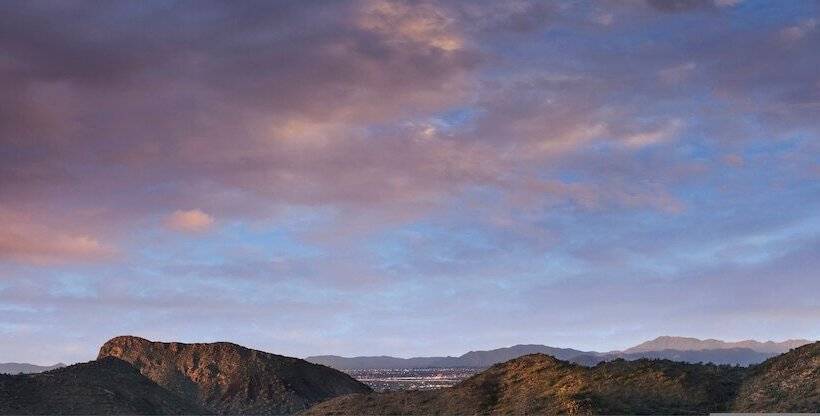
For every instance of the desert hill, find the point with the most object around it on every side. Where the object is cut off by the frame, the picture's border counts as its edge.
(230, 379)
(105, 386)
(540, 384)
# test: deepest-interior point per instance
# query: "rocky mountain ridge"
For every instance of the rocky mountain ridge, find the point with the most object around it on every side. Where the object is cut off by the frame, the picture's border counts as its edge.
(230, 379)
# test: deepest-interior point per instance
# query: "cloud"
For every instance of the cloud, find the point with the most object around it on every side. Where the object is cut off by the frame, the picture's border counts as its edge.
(654, 136)
(677, 73)
(402, 151)
(25, 241)
(404, 22)
(675, 6)
(799, 31)
(734, 160)
(190, 221)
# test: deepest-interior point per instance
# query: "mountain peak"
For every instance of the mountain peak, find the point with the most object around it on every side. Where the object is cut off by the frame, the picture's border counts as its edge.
(229, 378)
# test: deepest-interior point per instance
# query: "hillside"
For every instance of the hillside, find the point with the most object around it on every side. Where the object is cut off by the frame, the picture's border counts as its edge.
(787, 383)
(540, 384)
(228, 378)
(25, 368)
(105, 386)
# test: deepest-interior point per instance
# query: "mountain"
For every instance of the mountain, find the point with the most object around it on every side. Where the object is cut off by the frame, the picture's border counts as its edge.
(230, 379)
(477, 359)
(540, 384)
(482, 359)
(786, 383)
(730, 356)
(694, 344)
(690, 350)
(25, 368)
(105, 386)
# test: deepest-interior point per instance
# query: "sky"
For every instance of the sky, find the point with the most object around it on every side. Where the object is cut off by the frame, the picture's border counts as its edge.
(407, 178)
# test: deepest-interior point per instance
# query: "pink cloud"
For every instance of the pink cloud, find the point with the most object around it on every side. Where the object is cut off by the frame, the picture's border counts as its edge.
(24, 240)
(190, 221)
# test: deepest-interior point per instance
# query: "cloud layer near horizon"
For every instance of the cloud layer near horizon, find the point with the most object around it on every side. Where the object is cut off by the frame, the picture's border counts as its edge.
(407, 177)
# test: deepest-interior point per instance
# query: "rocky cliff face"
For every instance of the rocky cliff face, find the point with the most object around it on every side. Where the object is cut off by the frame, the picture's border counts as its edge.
(106, 386)
(230, 379)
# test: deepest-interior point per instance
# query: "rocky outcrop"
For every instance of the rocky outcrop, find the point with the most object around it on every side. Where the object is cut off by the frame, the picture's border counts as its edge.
(230, 379)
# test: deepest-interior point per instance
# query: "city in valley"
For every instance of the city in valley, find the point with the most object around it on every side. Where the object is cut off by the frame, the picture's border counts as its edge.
(411, 378)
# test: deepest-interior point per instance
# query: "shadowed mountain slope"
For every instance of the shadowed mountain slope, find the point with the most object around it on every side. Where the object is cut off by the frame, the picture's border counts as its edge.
(105, 386)
(540, 384)
(231, 379)
(786, 383)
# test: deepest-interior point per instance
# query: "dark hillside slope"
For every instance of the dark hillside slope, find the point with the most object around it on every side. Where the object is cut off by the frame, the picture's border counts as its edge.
(106, 386)
(231, 379)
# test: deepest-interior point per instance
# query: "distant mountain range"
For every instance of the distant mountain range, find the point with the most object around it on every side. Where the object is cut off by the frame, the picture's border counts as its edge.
(683, 349)
(25, 368)
(540, 384)
(694, 344)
